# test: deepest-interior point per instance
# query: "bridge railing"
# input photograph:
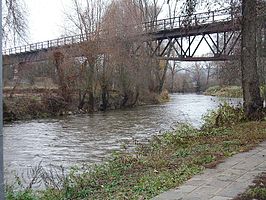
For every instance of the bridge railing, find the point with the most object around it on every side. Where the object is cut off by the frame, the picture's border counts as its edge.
(159, 25)
(45, 45)
(69, 40)
(192, 20)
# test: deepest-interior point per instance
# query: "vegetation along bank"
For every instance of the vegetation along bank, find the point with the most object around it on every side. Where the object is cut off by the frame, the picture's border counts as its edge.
(231, 91)
(165, 162)
(48, 103)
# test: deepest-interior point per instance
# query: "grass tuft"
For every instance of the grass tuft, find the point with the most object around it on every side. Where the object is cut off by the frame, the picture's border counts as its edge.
(165, 162)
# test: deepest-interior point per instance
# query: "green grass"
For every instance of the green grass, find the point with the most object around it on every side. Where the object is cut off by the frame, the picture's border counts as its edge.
(231, 91)
(227, 91)
(257, 191)
(164, 163)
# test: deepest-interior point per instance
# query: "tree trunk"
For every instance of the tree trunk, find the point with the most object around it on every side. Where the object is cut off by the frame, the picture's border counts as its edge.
(82, 100)
(162, 80)
(91, 101)
(172, 80)
(250, 80)
(125, 99)
(104, 84)
(208, 76)
(58, 61)
(91, 74)
(104, 98)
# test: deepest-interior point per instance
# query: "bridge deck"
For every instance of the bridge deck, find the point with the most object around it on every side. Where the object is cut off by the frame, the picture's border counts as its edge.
(200, 24)
(217, 27)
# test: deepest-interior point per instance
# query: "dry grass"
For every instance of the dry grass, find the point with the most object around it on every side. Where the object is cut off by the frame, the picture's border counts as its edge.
(166, 162)
(257, 191)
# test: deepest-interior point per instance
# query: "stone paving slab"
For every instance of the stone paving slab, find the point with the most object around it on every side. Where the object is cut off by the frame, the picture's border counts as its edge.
(226, 181)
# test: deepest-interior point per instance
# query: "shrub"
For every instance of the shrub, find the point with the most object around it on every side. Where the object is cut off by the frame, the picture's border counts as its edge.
(225, 116)
(163, 97)
(213, 89)
(54, 104)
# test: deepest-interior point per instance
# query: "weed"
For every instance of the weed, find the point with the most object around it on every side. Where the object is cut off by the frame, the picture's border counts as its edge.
(227, 91)
(224, 116)
(257, 191)
(165, 162)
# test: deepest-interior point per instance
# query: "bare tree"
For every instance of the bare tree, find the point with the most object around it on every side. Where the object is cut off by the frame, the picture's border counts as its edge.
(14, 25)
(86, 20)
(174, 69)
(150, 9)
(120, 20)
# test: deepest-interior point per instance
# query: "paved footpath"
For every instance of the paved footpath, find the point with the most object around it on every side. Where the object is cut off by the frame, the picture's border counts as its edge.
(227, 180)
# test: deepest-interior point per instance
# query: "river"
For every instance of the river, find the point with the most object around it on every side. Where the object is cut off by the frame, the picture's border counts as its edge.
(78, 139)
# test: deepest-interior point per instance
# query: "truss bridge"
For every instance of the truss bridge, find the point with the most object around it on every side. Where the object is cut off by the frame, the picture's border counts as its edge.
(208, 36)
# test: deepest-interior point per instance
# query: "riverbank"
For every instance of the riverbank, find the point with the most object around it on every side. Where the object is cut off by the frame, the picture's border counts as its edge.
(231, 91)
(165, 162)
(39, 105)
(228, 91)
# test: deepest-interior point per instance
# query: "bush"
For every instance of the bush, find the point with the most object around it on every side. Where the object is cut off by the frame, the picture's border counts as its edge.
(20, 108)
(225, 116)
(213, 89)
(164, 96)
(54, 104)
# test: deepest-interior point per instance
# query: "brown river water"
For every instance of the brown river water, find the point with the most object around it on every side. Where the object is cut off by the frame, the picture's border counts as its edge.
(79, 139)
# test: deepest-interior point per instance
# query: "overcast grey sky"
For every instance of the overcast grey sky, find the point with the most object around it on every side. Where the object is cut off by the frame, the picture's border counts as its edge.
(46, 18)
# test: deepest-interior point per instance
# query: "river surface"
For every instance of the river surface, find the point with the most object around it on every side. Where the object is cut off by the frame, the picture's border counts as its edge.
(78, 139)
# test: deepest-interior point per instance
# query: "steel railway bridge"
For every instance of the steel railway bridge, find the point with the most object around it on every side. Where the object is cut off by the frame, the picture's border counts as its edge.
(182, 38)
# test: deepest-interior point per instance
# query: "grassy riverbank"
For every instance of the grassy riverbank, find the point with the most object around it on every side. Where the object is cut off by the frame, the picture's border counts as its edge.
(231, 91)
(165, 162)
(228, 91)
(36, 106)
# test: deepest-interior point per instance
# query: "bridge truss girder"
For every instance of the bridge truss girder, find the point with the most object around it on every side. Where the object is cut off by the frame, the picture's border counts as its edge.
(221, 46)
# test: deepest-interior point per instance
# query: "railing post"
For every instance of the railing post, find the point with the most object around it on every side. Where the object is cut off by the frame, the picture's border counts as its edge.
(179, 21)
(232, 14)
(72, 40)
(164, 24)
(212, 16)
(145, 26)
